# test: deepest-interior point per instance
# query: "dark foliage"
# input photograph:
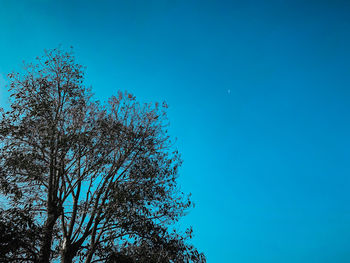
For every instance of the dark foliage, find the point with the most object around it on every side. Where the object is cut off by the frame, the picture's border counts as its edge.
(19, 235)
(87, 182)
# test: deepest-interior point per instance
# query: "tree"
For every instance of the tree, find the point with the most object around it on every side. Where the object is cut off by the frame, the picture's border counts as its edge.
(19, 235)
(98, 181)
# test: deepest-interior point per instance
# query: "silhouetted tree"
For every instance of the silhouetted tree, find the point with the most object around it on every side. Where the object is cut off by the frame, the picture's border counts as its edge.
(92, 182)
(19, 235)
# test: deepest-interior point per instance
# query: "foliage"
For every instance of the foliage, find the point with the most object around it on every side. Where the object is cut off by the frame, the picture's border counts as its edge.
(100, 179)
(19, 235)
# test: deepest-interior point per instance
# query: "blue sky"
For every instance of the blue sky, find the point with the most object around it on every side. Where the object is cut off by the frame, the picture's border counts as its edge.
(259, 100)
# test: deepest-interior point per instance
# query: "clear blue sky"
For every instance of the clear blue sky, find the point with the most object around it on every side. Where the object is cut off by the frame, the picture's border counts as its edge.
(259, 99)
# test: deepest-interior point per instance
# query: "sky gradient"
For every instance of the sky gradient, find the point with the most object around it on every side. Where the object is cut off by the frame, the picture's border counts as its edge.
(259, 99)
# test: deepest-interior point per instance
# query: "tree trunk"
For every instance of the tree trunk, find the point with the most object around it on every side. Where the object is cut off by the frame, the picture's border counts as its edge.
(67, 256)
(68, 251)
(45, 250)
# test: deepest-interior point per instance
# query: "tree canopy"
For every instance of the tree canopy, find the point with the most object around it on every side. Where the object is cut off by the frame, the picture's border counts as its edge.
(84, 181)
